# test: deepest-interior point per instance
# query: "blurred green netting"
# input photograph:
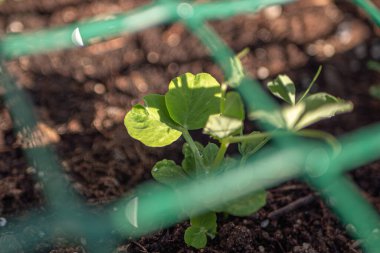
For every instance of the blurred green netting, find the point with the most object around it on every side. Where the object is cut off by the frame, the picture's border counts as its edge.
(153, 207)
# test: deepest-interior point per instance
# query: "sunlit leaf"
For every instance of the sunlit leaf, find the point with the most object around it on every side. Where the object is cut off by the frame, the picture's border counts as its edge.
(321, 106)
(292, 114)
(283, 87)
(237, 74)
(151, 124)
(191, 99)
(220, 126)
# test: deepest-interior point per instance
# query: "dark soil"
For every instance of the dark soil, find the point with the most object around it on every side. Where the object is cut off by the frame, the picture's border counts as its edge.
(82, 95)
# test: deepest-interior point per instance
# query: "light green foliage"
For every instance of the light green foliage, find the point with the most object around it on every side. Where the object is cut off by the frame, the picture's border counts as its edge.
(283, 87)
(219, 126)
(150, 123)
(321, 106)
(374, 90)
(191, 99)
(237, 71)
(308, 110)
(199, 101)
(201, 227)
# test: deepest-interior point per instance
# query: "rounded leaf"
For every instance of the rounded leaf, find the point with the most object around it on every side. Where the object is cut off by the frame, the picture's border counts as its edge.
(191, 99)
(151, 124)
(168, 172)
(195, 237)
(207, 221)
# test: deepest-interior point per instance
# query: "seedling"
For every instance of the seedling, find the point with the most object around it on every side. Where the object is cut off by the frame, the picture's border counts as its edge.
(374, 90)
(200, 102)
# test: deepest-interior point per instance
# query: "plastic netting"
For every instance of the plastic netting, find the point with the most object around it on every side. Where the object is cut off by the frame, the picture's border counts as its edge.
(104, 228)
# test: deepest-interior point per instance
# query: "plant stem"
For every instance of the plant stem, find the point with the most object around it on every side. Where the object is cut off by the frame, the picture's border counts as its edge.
(241, 138)
(223, 90)
(220, 155)
(311, 84)
(198, 159)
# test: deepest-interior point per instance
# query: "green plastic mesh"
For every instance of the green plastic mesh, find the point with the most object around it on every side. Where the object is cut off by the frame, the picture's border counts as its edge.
(153, 207)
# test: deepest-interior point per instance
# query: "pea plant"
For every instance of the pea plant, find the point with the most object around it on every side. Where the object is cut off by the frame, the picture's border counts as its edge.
(199, 102)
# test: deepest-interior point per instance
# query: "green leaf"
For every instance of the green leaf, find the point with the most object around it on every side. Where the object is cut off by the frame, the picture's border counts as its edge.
(220, 126)
(373, 65)
(209, 153)
(206, 221)
(195, 237)
(201, 226)
(283, 87)
(151, 123)
(156, 104)
(188, 163)
(292, 114)
(247, 205)
(168, 172)
(233, 106)
(374, 90)
(192, 99)
(248, 148)
(321, 106)
(237, 74)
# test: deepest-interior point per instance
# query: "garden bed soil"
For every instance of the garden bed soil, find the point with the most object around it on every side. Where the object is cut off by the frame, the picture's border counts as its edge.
(81, 96)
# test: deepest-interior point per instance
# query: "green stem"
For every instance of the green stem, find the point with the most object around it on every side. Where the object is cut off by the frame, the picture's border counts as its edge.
(311, 84)
(241, 138)
(221, 152)
(223, 90)
(198, 159)
(243, 53)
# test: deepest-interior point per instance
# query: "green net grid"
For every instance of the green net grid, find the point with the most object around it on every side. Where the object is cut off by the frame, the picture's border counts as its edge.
(145, 212)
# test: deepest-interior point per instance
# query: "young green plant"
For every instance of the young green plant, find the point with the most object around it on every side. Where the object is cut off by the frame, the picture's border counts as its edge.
(374, 90)
(199, 102)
